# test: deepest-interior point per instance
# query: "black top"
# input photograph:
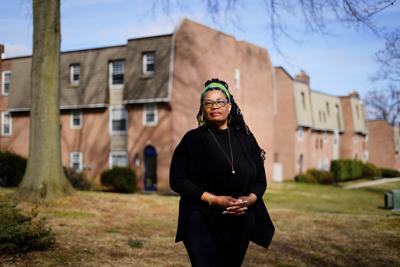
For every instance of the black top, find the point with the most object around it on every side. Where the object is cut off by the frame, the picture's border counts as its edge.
(199, 165)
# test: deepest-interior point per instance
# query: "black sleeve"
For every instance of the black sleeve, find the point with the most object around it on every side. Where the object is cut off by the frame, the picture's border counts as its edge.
(260, 184)
(179, 174)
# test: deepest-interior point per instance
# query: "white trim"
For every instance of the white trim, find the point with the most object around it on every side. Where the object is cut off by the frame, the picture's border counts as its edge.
(72, 119)
(151, 107)
(3, 75)
(117, 153)
(147, 100)
(300, 134)
(64, 107)
(71, 157)
(144, 63)
(237, 79)
(3, 114)
(125, 112)
(171, 60)
(110, 74)
(71, 74)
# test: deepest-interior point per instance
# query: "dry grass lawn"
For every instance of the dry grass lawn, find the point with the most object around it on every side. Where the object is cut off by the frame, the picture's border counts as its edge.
(315, 226)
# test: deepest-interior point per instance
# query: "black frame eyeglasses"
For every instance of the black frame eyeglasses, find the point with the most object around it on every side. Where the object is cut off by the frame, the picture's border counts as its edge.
(219, 103)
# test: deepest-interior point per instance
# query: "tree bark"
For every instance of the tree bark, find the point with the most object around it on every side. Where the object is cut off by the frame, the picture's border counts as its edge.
(44, 178)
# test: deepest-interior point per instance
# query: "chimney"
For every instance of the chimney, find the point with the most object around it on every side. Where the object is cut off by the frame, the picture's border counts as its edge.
(303, 77)
(354, 94)
(1, 50)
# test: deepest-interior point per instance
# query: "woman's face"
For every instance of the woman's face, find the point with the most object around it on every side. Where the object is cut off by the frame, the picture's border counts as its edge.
(216, 108)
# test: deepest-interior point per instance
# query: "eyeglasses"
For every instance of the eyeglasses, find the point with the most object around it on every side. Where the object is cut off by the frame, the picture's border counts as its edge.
(219, 103)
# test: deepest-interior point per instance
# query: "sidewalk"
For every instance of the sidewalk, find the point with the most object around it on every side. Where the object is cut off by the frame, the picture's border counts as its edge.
(372, 183)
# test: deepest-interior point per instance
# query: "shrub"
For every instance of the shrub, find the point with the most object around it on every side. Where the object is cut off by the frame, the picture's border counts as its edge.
(78, 179)
(389, 173)
(305, 178)
(315, 176)
(322, 177)
(12, 169)
(22, 233)
(346, 169)
(370, 171)
(119, 179)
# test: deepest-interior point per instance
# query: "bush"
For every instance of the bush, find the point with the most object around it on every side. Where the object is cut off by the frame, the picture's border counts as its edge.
(370, 171)
(315, 176)
(78, 179)
(389, 173)
(119, 179)
(305, 178)
(346, 169)
(12, 169)
(22, 233)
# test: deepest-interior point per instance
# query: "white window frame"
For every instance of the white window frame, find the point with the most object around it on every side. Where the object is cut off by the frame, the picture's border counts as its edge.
(71, 160)
(110, 75)
(125, 115)
(3, 133)
(117, 153)
(300, 133)
(71, 74)
(72, 119)
(325, 137)
(146, 62)
(150, 107)
(3, 84)
(237, 79)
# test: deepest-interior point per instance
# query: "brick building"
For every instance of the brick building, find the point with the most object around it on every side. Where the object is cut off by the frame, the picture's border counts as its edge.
(312, 128)
(130, 105)
(383, 144)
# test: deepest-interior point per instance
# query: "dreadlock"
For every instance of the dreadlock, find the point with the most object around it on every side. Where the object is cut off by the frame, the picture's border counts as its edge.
(236, 117)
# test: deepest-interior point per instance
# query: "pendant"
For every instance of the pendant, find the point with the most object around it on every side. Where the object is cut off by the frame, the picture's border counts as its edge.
(233, 171)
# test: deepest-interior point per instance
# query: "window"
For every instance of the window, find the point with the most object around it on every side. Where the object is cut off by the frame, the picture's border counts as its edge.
(76, 161)
(320, 116)
(148, 63)
(303, 100)
(328, 110)
(358, 111)
(325, 137)
(316, 143)
(276, 157)
(338, 116)
(74, 74)
(76, 119)
(119, 159)
(6, 80)
(324, 116)
(117, 71)
(237, 79)
(320, 143)
(5, 124)
(150, 114)
(300, 133)
(119, 120)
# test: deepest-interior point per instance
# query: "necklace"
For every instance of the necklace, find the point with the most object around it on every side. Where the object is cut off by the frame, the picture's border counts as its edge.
(230, 160)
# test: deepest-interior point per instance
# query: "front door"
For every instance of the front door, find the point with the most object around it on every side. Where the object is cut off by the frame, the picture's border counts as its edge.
(150, 169)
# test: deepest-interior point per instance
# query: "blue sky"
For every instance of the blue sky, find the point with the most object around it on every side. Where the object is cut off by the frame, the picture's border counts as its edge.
(337, 63)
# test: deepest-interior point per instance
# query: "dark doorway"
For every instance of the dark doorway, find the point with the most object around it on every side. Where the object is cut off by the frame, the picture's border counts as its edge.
(150, 168)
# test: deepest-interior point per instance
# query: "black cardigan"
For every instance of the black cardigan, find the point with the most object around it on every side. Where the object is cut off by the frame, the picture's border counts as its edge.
(193, 171)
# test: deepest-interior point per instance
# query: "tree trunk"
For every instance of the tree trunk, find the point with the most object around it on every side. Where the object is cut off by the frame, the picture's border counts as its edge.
(44, 178)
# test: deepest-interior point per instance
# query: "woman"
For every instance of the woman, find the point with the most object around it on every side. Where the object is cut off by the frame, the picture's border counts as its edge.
(218, 170)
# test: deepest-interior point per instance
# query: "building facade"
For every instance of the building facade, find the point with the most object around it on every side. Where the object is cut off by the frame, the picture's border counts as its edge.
(312, 128)
(130, 105)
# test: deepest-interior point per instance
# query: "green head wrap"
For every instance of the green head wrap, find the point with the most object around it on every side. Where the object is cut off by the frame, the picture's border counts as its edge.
(217, 86)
